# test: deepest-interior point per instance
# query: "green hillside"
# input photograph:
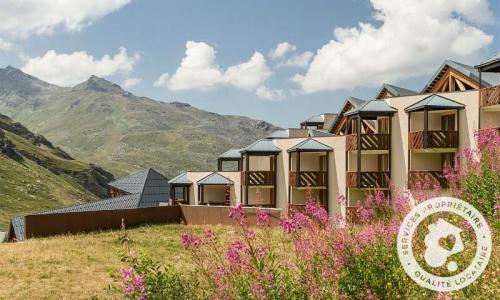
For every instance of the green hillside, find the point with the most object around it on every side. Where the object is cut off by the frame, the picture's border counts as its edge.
(97, 121)
(35, 175)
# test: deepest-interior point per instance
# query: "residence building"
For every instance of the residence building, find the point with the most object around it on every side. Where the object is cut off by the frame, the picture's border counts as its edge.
(400, 137)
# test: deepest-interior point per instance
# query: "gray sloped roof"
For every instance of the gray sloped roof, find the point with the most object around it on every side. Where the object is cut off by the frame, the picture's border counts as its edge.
(232, 153)
(181, 179)
(156, 189)
(262, 145)
(375, 106)
(434, 101)
(354, 102)
(314, 119)
(148, 182)
(215, 179)
(318, 133)
(395, 90)
(17, 223)
(494, 58)
(310, 145)
(487, 78)
(491, 64)
(133, 183)
(121, 202)
(278, 134)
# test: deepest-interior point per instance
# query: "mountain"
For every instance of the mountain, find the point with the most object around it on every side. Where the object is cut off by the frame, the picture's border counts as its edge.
(97, 121)
(35, 175)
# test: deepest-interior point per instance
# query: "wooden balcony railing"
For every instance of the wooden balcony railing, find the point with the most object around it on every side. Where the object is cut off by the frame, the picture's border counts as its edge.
(489, 96)
(435, 139)
(376, 179)
(369, 141)
(257, 178)
(426, 179)
(308, 178)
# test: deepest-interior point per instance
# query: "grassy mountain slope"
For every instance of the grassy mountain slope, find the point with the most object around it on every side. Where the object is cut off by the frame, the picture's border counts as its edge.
(35, 175)
(97, 121)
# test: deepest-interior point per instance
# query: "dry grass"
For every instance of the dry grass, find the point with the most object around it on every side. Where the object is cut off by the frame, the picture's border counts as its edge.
(82, 266)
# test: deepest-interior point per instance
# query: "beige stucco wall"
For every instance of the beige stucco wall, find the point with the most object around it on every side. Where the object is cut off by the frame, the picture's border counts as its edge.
(259, 163)
(468, 119)
(426, 162)
(369, 162)
(490, 117)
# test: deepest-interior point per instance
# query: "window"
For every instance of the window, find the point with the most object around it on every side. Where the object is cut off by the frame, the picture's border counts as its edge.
(448, 122)
(383, 125)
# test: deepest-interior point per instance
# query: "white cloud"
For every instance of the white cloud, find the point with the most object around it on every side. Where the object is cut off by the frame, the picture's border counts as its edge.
(281, 50)
(162, 80)
(70, 69)
(199, 71)
(4, 45)
(250, 74)
(413, 39)
(131, 82)
(264, 92)
(24, 18)
(299, 60)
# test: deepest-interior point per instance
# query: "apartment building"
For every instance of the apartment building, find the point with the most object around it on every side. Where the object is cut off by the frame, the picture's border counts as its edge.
(400, 136)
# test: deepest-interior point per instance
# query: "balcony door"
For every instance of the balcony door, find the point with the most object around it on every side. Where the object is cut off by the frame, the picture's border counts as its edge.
(448, 122)
(383, 125)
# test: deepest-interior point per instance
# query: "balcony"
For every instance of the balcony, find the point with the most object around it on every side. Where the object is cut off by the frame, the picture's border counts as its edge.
(426, 178)
(375, 179)
(369, 141)
(308, 179)
(435, 139)
(258, 178)
(489, 96)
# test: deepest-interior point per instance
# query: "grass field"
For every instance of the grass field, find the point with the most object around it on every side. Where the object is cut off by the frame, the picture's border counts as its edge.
(82, 266)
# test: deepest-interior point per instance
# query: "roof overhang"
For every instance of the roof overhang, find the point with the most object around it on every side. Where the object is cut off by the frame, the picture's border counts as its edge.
(432, 107)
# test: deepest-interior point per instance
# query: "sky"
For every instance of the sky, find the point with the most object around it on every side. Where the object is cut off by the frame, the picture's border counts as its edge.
(280, 61)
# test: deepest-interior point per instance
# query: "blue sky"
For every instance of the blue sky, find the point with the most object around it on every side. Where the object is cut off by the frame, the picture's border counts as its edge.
(234, 70)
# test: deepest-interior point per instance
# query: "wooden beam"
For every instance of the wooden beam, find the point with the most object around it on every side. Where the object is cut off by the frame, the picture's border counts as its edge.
(247, 168)
(426, 125)
(275, 179)
(297, 170)
(341, 125)
(460, 85)
(327, 181)
(451, 83)
(359, 153)
(289, 183)
(368, 125)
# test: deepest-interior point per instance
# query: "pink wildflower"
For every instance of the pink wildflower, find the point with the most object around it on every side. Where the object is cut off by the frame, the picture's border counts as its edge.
(263, 218)
(236, 212)
(288, 225)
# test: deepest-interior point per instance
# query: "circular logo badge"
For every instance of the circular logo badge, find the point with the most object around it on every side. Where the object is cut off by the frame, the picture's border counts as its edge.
(441, 256)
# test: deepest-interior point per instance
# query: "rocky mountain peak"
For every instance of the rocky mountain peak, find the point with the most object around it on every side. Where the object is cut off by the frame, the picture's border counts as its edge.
(99, 84)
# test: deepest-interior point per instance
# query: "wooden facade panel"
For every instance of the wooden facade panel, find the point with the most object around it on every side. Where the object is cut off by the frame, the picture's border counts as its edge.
(308, 178)
(426, 178)
(433, 139)
(489, 96)
(79, 222)
(376, 179)
(369, 141)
